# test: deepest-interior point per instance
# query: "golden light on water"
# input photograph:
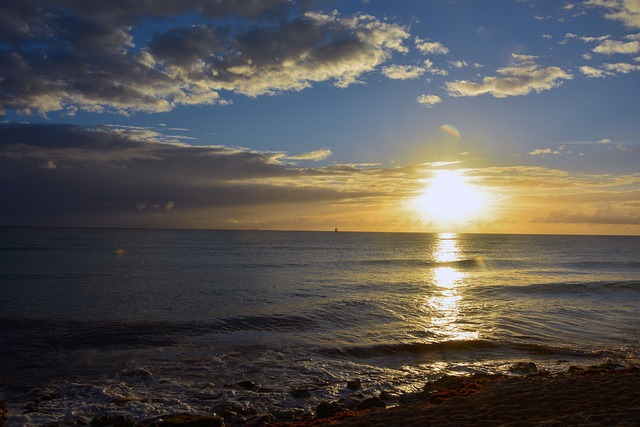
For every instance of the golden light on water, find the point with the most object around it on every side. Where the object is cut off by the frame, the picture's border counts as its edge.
(450, 198)
(445, 300)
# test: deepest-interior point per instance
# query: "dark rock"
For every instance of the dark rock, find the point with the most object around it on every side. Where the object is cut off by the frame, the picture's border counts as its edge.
(327, 409)
(300, 393)
(354, 384)
(140, 373)
(386, 396)
(188, 420)
(524, 368)
(350, 402)
(263, 420)
(112, 421)
(373, 402)
(231, 409)
(247, 385)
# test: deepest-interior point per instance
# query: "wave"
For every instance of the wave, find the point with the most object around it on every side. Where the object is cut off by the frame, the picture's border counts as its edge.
(456, 347)
(579, 287)
(419, 262)
(73, 334)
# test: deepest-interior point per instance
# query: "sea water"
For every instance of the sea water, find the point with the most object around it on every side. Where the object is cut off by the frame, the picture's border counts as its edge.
(145, 323)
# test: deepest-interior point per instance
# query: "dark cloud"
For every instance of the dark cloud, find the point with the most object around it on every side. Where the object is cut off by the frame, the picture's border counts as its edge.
(70, 175)
(98, 56)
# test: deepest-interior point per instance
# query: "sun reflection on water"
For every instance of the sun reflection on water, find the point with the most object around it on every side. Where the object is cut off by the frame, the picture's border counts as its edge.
(444, 303)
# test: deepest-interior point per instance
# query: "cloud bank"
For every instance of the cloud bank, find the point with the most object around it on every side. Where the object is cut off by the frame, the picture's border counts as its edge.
(114, 176)
(65, 55)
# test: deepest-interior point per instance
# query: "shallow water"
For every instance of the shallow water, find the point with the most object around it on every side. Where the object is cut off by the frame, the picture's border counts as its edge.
(148, 322)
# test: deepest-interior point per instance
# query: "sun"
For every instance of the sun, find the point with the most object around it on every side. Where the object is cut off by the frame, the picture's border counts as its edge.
(449, 198)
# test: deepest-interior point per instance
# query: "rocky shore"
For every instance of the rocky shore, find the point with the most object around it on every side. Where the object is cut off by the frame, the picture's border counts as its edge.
(597, 395)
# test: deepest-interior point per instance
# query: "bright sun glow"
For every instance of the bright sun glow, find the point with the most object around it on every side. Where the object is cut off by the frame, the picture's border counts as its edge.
(449, 198)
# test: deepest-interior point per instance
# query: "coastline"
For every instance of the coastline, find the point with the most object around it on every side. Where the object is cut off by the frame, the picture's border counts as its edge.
(592, 396)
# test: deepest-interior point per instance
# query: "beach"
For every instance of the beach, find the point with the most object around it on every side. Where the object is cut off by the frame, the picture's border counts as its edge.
(598, 396)
(604, 395)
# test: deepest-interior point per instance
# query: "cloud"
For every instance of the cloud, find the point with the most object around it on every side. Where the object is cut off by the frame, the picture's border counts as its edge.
(594, 73)
(403, 72)
(458, 64)
(609, 47)
(429, 100)
(521, 78)
(429, 47)
(544, 152)
(627, 11)
(107, 176)
(315, 156)
(65, 55)
(600, 216)
(622, 67)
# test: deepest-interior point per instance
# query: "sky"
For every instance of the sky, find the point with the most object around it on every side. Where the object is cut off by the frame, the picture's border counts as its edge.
(493, 116)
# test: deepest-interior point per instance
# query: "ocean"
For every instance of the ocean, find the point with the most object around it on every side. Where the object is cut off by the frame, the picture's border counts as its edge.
(145, 323)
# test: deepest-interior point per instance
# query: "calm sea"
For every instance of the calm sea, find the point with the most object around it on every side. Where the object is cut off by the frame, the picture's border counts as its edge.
(149, 322)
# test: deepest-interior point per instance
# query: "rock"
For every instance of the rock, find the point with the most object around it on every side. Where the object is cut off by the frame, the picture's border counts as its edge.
(247, 385)
(373, 402)
(350, 402)
(300, 393)
(263, 420)
(327, 409)
(188, 420)
(386, 396)
(354, 384)
(139, 373)
(524, 368)
(112, 421)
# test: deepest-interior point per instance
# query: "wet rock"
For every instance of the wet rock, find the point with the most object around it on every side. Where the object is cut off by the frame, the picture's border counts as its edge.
(229, 410)
(300, 393)
(373, 402)
(263, 421)
(188, 420)
(327, 409)
(4, 410)
(137, 373)
(112, 421)
(248, 385)
(350, 402)
(386, 396)
(354, 384)
(524, 368)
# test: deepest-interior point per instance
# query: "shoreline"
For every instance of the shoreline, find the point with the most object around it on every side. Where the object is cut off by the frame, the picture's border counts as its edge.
(587, 396)
(593, 396)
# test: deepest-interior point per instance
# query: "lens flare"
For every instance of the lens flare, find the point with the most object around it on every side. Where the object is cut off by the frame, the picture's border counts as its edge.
(451, 131)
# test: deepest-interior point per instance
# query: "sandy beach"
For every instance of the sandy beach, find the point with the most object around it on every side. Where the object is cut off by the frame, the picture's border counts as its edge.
(585, 397)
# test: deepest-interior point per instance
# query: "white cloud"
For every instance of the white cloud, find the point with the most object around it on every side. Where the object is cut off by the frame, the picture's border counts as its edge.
(458, 64)
(627, 11)
(429, 100)
(315, 156)
(521, 78)
(429, 68)
(609, 47)
(544, 152)
(622, 67)
(594, 73)
(403, 72)
(427, 47)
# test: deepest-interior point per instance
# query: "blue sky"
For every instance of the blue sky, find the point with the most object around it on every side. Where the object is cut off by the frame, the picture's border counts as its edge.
(315, 113)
